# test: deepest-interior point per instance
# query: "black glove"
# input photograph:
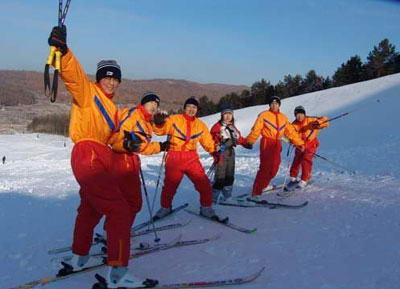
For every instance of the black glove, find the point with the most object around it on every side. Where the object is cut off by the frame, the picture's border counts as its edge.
(164, 146)
(159, 118)
(247, 145)
(58, 38)
(131, 142)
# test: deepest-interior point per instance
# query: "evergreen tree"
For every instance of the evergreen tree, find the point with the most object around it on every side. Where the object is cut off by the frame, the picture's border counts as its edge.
(232, 99)
(261, 91)
(206, 106)
(381, 60)
(350, 72)
(290, 86)
(313, 82)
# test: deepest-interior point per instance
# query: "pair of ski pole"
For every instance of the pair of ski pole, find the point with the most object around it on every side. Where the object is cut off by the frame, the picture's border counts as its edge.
(54, 57)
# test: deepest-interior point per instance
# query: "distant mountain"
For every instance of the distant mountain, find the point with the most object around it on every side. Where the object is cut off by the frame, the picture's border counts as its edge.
(26, 87)
(22, 96)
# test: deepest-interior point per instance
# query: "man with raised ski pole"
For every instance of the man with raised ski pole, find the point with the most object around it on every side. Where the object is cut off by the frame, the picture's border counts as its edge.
(308, 127)
(271, 125)
(94, 119)
(186, 131)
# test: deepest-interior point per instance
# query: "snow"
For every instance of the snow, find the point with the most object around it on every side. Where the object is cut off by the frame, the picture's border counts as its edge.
(345, 238)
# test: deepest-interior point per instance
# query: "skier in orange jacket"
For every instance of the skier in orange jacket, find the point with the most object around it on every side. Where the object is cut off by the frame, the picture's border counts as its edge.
(308, 128)
(272, 125)
(186, 131)
(94, 119)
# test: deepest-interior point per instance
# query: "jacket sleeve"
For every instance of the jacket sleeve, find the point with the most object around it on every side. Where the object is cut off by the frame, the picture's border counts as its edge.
(206, 140)
(75, 79)
(149, 148)
(255, 130)
(292, 135)
(323, 122)
(216, 132)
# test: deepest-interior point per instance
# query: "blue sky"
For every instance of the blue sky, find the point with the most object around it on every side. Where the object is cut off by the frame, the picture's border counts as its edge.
(223, 41)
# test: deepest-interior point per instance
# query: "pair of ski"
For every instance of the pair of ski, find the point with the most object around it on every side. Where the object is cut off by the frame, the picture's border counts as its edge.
(100, 239)
(251, 203)
(101, 284)
(224, 221)
(66, 272)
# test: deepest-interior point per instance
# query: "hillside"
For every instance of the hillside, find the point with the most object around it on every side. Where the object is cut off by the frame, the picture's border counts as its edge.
(345, 238)
(22, 97)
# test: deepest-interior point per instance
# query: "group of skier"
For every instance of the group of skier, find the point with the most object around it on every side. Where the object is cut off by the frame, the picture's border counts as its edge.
(108, 141)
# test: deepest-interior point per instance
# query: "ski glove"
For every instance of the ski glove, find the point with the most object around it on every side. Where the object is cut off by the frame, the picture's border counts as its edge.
(58, 38)
(164, 146)
(159, 118)
(247, 145)
(131, 142)
(302, 148)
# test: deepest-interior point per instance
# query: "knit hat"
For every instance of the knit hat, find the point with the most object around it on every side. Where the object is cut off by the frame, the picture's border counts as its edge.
(150, 96)
(108, 68)
(274, 98)
(226, 108)
(299, 109)
(191, 100)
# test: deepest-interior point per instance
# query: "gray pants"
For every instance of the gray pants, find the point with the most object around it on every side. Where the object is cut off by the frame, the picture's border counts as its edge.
(225, 174)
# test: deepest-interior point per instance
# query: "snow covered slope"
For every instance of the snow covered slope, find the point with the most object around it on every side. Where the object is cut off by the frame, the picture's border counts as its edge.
(345, 238)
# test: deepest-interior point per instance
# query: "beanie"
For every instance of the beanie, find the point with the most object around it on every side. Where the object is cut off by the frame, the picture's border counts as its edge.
(274, 98)
(108, 68)
(191, 100)
(150, 96)
(299, 109)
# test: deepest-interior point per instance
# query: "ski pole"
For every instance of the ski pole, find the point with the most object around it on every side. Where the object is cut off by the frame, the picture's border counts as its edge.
(331, 162)
(156, 238)
(159, 176)
(289, 152)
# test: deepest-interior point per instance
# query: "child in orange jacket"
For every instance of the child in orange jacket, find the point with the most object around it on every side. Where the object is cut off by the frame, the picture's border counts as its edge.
(308, 127)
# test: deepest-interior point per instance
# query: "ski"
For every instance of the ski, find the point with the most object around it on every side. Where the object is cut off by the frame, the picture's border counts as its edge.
(248, 203)
(147, 223)
(224, 222)
(264, 192)
(102, 284)
(161, 228)
(173, 244)
(271, 205)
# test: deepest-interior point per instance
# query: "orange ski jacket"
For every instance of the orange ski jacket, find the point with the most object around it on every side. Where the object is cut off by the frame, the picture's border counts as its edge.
(94, 116)
(185, 133)
(306, 130)
(273, 125)
(138, 121)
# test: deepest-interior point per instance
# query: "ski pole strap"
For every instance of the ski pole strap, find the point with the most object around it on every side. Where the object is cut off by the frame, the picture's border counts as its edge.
(62, 14)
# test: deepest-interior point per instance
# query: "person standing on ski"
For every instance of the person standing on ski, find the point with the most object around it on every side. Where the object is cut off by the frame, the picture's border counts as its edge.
(93, 121)
(134, 138)
(308, 127)
(185, 132)
(227, 136)
(272, 125)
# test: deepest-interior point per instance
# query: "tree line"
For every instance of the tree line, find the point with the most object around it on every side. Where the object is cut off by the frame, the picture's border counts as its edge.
(382, 60)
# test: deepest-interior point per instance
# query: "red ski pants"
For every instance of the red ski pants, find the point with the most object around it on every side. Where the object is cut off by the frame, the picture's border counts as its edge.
(100, 195)
(304, 161)
(178, 164)
(270, 159)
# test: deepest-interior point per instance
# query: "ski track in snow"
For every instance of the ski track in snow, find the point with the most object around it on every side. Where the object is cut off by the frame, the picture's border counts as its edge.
(345, 238)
